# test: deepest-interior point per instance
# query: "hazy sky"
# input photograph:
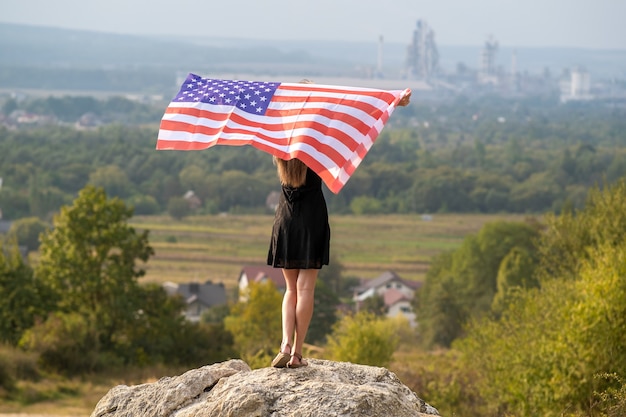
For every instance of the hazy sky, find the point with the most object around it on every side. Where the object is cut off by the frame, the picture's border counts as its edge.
(515, 23)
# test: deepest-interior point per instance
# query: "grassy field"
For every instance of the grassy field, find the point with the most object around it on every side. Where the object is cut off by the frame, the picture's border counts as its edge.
(216, 248)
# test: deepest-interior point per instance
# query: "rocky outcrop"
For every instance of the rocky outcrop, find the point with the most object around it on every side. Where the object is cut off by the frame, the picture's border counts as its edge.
(231, 388)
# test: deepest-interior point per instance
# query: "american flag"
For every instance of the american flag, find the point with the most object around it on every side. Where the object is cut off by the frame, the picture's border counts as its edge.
(329, 128)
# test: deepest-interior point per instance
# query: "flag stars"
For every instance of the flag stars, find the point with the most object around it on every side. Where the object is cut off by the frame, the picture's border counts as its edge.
(247, 96)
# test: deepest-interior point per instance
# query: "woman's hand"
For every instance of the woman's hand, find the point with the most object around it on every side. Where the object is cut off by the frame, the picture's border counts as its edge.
(405, 100)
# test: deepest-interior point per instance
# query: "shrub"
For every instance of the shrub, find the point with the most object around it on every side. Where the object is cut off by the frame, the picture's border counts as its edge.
(364, 339)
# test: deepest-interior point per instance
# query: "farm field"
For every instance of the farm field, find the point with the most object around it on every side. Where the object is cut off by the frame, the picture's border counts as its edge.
(217, 247)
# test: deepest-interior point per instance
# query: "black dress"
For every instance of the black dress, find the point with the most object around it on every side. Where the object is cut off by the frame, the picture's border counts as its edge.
(301, 233)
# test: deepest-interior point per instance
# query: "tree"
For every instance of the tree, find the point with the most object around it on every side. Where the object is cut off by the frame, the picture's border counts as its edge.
(364, 339)
(549, 350)
(89, 261)
(462, 284)
(568, 237)
(22, 298)
(546, 352)
(324, 313)
(65, 343)
(27, 231)
(516, 272)
(375, 305)
(365, 205)
(331, 274)
(9, 106)
(112, 179)
(178, 207)
(256, 324)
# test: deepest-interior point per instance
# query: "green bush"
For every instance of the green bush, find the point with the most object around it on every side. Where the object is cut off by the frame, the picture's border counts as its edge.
(64, 342)
(612, 401)
(17, 365)
(362, 338)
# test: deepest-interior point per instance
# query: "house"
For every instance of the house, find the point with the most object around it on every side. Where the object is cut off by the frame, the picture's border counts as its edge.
(198, 297)
(193, 200)
(5, 225)
(396, 293)
(258, 274)
(399, 304)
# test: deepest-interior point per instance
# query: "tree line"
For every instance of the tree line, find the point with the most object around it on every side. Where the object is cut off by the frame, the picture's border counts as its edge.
(487, 155)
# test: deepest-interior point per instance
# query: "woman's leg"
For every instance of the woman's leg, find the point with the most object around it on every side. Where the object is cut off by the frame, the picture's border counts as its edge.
(289, 308)
(305, 286)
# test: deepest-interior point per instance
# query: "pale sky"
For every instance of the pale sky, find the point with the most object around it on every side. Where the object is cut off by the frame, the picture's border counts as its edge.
(598, 24)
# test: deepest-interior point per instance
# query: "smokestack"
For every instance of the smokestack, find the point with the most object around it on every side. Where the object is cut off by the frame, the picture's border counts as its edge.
(379, 67)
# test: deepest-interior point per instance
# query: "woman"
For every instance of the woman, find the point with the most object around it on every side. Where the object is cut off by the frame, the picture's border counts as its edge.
(300, 245)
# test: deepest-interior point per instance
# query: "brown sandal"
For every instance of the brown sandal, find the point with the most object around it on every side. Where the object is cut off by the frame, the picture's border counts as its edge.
(282, 359)
(302, 363)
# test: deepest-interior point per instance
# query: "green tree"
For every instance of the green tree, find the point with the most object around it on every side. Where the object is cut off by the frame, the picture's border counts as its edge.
(256, 324)
(375, 305)
(66, 342)
(144, 204)
(193, 178)
(160, 334)
(27, 231)
(331, 274)
(365, 205)
(89, 260)
(516, 272)
(463, 283)
(567, 239)
(545, 353)
(112, 179)
(22, 298)
(324, 313)
(551, 346)
(364, 339)
(178, 207)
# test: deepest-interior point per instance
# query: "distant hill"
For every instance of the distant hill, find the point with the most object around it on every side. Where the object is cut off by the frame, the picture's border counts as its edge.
(52, 58)
(23, 45)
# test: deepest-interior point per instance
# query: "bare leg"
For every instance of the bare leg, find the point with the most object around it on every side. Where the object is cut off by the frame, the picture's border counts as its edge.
(305, 286)
(289, 308)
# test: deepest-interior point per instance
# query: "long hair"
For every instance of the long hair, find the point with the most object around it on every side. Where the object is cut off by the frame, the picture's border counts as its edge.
(292, 173)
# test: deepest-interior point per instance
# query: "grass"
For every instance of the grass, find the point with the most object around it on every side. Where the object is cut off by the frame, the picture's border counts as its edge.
(201, 248)
(57, 396)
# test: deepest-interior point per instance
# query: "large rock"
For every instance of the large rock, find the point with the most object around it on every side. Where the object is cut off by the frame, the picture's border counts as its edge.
(324, 388)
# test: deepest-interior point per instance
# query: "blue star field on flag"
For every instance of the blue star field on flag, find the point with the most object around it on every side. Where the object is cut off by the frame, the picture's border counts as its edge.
(249, 96)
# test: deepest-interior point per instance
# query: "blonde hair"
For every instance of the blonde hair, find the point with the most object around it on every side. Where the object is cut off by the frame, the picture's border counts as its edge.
(292, 173)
